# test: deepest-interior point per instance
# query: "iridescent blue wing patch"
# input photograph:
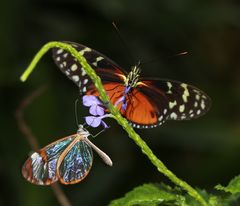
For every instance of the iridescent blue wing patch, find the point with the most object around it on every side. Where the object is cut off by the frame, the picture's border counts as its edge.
(75, 164)
(67, 160)
(41, 167)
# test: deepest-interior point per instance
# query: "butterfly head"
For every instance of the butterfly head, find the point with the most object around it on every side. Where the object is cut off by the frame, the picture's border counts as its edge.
(133, 76)
(82, 131)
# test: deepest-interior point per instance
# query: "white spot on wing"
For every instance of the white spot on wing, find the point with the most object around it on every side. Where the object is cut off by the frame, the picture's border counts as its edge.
(173, 115)
(74, 67)
(79, 84)
(169, 84)
(83, 72)
(98, 59)
(197, 97)
(203, 104)
(84, 89)
(59, 51)
(183, 117)
(172, 104)
(84, 50)
(65, 55)
(75, 78)
(67, 72)
(165, 111)
(185, 92)
(182, 108)
(85, 81)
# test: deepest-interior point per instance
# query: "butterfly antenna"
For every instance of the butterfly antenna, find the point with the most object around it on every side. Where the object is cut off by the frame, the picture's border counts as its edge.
(178, 54)
(83, 125)
(76, 115)
(168, 57)
(86, 126)
(125, 46)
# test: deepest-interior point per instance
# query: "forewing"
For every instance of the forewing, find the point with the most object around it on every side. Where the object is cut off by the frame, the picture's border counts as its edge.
(40, 167)
(141, 112)
(114, 91)
(103, 66)
(75, 165)
(153, 102)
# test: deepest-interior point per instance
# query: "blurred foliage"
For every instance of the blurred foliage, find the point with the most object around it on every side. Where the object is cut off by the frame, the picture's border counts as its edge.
(150, 195)
(161, 194)
(204, 152)
(233, 186)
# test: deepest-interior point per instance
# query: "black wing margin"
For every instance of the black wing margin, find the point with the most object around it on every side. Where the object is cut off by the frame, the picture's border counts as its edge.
(104, 67)
(175, 100)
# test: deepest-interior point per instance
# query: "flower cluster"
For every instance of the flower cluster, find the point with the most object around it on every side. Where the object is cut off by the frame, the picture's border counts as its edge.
(97, 111)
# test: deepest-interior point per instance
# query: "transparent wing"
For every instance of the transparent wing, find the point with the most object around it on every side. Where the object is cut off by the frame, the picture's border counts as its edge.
(76, 163)
(40, 168)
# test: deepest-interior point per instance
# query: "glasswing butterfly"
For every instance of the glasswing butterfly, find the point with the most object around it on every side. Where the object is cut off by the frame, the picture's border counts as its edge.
(67, 160)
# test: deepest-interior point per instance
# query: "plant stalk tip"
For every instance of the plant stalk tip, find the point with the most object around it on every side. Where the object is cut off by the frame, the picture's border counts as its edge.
(115, 114)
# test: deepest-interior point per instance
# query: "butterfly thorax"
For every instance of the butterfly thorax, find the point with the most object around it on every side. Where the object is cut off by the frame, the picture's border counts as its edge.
(133, 77)
(129, 83)
(82, 132)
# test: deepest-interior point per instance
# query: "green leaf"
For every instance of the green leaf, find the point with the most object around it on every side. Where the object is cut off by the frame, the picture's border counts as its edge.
(233, 187)
(150, 195)
(164, 195)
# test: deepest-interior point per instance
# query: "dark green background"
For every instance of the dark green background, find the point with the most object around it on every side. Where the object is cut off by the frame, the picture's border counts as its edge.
(203, 152)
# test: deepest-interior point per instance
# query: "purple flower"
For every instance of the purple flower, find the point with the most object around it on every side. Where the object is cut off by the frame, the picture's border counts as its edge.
(96, 107)
(89, 100)
(124, 102)
(96, 121)
(97, 110)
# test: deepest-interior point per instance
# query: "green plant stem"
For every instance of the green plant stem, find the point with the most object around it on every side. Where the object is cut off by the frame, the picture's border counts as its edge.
(116, 115)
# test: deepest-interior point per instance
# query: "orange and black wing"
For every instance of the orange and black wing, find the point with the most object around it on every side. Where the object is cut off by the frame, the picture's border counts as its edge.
(105, 68)
(154, 101)
(114, 91)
